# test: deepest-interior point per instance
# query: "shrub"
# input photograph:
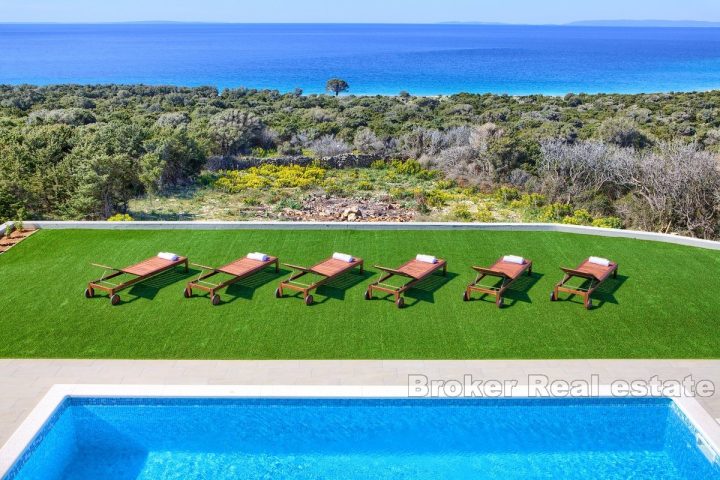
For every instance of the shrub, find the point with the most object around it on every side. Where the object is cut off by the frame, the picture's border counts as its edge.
(120, 217)
(329, 146)
(579, 217)
(484, 215)
(437, 198)
(379, 165)
(555, 212)
(507, 194)
(401, 193)
(364, 185)
(529, 200)
(608, 222)
(462, 212)
(286, 176)
(260, 152)
(445, 184)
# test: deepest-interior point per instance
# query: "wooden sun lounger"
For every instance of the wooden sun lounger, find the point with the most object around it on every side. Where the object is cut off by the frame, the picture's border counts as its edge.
(507, 272)
(141, 271)
(328, 269)
(594, 274)
(414, 270)
(239, 269)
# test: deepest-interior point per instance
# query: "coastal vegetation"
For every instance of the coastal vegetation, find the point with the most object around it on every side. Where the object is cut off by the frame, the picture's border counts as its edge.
(645, 161)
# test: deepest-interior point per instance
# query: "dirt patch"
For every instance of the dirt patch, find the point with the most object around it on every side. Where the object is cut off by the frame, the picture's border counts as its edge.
(328, 208)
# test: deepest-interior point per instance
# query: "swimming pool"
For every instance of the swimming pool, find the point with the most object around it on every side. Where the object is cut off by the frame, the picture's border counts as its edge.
(327, 438)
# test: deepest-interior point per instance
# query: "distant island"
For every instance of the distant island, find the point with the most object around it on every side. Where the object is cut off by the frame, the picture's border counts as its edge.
(645, 23)
(612, 23)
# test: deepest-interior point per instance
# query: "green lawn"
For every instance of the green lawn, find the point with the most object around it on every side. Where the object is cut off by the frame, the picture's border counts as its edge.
(664, 303)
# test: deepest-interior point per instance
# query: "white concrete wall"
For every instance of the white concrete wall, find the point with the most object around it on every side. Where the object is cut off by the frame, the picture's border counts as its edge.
(541, 227)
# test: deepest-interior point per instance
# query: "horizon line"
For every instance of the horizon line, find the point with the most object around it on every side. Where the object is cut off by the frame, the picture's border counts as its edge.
(575, 23)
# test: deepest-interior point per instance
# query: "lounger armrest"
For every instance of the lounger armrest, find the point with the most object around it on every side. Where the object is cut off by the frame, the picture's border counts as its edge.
(578, 273)
(105, 267)
(393, 271)
(299, 268)
(491, 272)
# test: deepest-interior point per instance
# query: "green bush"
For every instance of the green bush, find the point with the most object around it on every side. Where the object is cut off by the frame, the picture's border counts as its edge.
(529, 200)
(364, 185)
(462, 212)
(120, 217)
(445, 184)
(579, 217)
(437, 198)
(555, 212)
(484, 215)
(608, 222)
(286, 176)
(507, 194)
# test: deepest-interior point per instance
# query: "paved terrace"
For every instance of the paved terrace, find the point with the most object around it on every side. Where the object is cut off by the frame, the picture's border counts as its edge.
(24, 382)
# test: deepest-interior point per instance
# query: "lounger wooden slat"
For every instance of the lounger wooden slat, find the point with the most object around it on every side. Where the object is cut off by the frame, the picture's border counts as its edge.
(238, 270)
(594, 274)
(141, 271)
(507, 272)
(327, 269)
(415, 270)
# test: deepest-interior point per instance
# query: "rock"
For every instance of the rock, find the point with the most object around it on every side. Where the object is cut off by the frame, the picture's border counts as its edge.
(351, 217)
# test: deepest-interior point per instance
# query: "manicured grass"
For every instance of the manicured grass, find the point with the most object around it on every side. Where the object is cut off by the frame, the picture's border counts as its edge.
(664, 303)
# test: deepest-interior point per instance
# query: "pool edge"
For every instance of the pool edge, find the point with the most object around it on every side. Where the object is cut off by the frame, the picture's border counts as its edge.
(706, 429)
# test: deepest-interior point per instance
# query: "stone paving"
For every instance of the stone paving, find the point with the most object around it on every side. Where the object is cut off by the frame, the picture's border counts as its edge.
(24, 382)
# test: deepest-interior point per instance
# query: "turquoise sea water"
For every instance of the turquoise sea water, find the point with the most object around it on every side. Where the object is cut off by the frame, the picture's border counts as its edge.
(374, 59)
(219, 439)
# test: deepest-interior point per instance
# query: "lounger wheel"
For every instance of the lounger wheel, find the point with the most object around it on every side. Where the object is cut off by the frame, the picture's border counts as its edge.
(309, 300)
(115, 299)
(368, 295)
(466, 296)
(89, 292)
(588, 303)
(553, 297)
(500, 302)
(400, 302)
(278, 293)
(215, 300)
(187, 292)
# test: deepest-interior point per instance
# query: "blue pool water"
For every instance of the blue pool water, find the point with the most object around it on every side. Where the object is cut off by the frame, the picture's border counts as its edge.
(281, 439)
(374, 59)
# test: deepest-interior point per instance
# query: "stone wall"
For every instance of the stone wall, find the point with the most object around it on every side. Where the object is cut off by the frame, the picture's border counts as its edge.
(346, 160)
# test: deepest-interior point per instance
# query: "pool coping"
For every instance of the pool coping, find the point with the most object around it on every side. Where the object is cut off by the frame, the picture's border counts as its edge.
(430, 226)
(706, 429)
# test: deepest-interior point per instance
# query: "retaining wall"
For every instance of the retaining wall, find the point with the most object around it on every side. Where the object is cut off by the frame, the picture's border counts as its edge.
(539, 227)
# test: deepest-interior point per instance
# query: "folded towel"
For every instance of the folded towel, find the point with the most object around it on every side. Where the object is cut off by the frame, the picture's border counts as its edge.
(599, 261)
(426, 258)
(260, 257)
(514, 259)
(343, 257)
(168, 256)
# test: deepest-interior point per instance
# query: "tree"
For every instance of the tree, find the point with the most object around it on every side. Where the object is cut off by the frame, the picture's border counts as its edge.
(337, 86)
(234, 130)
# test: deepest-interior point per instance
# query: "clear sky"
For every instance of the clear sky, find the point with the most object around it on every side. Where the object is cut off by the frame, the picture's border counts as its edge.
(363, 11)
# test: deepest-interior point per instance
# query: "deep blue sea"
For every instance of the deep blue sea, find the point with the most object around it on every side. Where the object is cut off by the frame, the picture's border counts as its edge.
(374, 59)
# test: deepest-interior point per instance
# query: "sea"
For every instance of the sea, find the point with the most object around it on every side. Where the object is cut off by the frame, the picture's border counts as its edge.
(385, 59)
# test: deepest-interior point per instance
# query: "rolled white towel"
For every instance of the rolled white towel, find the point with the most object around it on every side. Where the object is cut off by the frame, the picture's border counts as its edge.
(344, 257)
(168, 256)
(260, 257)
(426, 258)
(599, 261)
(514, 259)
